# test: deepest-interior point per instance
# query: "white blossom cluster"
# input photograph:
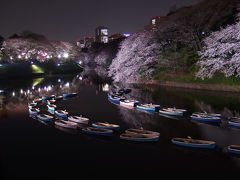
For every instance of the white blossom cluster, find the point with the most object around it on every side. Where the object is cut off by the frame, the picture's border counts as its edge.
(135, 57)
(221, 53)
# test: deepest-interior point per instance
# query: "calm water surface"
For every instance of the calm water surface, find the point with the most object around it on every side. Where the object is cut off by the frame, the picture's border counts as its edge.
(30, 147)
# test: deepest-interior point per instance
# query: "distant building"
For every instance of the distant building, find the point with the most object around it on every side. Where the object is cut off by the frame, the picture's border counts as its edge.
(153, 23)
(86, 42)
(116, 36)
(102, 34)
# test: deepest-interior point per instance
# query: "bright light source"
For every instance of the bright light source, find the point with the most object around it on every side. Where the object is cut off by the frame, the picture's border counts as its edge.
(21, 91)
(105, 87)
(33, 87)
(67, 84)
(127, 34)
(59, 56)
(80, 77)
(59, 80)
(13, 94)
(80, 62)
(31, 62)
(58, 64)
(1, 91)
(1, 65)
(11, 57)
(65, 55)
(19, 56)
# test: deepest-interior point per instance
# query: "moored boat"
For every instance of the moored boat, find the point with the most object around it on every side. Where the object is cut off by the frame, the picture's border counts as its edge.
(234, 121)
(69, 95)
(194, 143)
(66, 124)
(115, 99)
(45, 98)
(106, 125)
(142, 131)
(32, 105)
(38, 100)
(61, 113)
(78, 119)
(171, 112)
(234, 149)
(206, 118)
(148, 107)
(34, 111)
(58, 98)
(175, 109)
(97, 131)
(51, 101)
(206, 114)
(45, 117)
(128, 103)
(52, 107)
(139, 137)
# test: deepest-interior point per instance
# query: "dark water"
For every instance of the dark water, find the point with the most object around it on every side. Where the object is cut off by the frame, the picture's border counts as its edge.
(31, 148)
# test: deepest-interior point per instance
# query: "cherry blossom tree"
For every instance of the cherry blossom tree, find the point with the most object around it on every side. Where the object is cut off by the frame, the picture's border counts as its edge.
(135, 57)
(221, 53)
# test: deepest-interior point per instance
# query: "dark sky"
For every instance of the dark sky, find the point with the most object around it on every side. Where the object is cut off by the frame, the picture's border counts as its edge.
(71, 19)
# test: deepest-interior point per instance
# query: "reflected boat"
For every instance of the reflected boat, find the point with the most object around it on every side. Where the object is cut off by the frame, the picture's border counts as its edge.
(38, 100)
(51, 101)
(51, 107)
(61, 113)
(57, 98)
(32, 105)
(65, 96)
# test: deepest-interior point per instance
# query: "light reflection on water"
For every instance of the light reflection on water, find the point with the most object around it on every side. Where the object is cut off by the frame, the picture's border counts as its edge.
(92, 102)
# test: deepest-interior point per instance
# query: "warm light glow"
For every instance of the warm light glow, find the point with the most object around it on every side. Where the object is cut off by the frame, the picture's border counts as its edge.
(65, 55)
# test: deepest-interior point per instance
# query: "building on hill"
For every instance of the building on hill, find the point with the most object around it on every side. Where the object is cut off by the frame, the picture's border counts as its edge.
(153, 23)
(86, 42)
(102, 34)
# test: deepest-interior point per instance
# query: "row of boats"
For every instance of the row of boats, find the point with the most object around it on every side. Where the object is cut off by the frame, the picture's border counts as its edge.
(61, 118)
(171, 111)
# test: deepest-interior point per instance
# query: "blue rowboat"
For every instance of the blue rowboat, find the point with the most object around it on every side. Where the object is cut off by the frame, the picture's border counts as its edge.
(44, 98)
(51, 107)
(139, 137)
(115, 99)
(97, 131)
(189, 142)
(204, 118)
(106, 125)
(171, 112)
(34, 111)
(39, 100)
(148, 107)
(65, 96)
(234, 121)
(66, 124)
(32, 105)
(44, 117)
(142, 131)
(206, 114)
(234, 149)
(61, 113)
(128, 103)
(175, 109)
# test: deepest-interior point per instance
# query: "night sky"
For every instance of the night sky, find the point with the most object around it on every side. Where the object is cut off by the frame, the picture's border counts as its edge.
(71, 19)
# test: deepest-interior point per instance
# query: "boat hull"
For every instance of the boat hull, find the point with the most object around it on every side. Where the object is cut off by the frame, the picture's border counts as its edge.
(155, 109)
(140, 139)
(171, 113)
(208, 146)
(97, 133)
(104, 127)
(210, 120)
(233, 151)
(234, 124)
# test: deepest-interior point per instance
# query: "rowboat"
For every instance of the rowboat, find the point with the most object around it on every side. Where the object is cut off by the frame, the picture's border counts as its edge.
(34, 111)
(106, 125)
(206, 118)
(148, 107)
(189, 142)
(58, 98)
(128, 103)
(45, 117)
(115, 99)
(66, 124)
(234, 121)
(171, 112)
(44, 98)
(61, 113)
(97, 131)
(234, 149)
(78, 119)
(207, 114)
(69, 95)
(32, 105)
(175, 109)
(142, 131)
(38, 100)
(51, 101)
(139, 137)
(51, 107)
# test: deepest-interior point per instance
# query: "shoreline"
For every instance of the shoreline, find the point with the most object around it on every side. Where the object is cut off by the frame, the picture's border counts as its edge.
(187, 85)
